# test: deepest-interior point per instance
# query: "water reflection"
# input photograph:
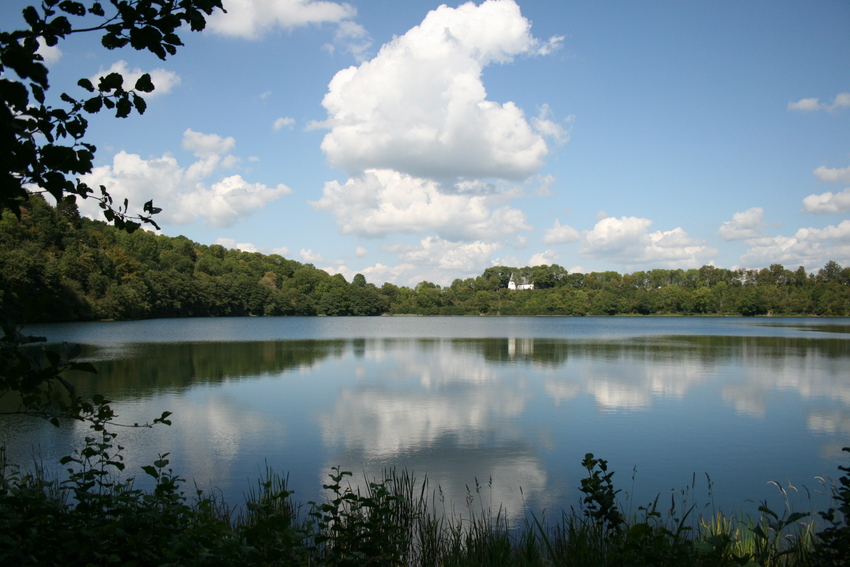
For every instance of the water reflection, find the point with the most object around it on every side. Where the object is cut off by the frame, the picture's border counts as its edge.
(620, 375)
(521, 411)
(139, 369)
(383, 422)
(510, 479)
(438, 398)
(830, 421)
(435, 408)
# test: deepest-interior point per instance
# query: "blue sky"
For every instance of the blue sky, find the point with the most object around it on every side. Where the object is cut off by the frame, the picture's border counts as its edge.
(410, 141)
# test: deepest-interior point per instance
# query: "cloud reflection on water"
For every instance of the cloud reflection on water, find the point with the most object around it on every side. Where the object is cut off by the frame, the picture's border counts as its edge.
(441, 411)
(465, 400)
(521, 411)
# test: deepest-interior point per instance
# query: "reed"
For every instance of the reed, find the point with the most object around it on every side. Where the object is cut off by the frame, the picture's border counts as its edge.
(393, 520)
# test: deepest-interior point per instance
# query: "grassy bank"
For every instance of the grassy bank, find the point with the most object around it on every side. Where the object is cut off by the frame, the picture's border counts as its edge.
(90, 519)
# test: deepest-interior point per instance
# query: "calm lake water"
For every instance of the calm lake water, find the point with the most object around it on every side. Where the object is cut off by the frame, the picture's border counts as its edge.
(512, 402)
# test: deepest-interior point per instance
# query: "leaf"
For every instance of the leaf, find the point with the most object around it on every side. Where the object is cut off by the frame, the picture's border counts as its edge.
(163, 418)
(149, 208)
(123, 108)
(110, 82)
(38, 93)
(151, 471)
(113, 41)
(172, 39)
(31, 16)
(73, 8)
(139, 103)
(144, 84)
(77, 127)
(795, 517)
(86, 84)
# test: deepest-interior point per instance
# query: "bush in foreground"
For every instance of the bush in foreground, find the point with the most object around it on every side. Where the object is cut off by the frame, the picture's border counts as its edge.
(91, 519)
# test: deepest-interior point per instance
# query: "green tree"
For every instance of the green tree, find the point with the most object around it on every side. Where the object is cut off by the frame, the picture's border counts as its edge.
(482, 301)
(333, 302)
(702, 300)
(831, 272)
(365, 300)
(751, 303)
(42, 145)
(544, 277)
(494, 278)
(390, 291)
(604, 302)
(42, 150)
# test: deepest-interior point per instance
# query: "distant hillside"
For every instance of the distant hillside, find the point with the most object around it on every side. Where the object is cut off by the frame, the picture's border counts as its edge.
(79, 269)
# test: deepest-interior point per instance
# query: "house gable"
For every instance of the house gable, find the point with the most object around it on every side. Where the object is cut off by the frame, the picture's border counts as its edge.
(518, 282)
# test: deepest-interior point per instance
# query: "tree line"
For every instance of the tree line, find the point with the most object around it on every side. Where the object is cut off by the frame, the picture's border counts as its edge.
(74, 269)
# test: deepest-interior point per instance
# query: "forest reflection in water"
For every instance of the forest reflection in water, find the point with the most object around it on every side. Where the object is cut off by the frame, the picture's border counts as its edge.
(521, 411)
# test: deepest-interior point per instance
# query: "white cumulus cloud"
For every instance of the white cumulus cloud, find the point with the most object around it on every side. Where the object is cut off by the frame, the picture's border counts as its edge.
(163, 80)
(544, 258)
(840, 233)
(285, 122)
(307, 255)
(181, 192)
(402, 274)
(381, 202)
(828, 202)
(420, 107)
(833, 174)
(842, 100)
(810, 247)
(627, 240)
(433, 259)
(454, 257)
(206, 145)
(252, 19)
(231, 244)
(544, 189)
(745, 225)
(549, 128)
(560, 234)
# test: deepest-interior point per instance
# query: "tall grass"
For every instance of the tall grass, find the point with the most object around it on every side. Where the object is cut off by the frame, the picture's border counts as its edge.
(393, 520)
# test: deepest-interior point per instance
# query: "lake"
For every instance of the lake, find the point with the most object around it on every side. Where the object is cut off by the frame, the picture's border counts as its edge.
(511, 403)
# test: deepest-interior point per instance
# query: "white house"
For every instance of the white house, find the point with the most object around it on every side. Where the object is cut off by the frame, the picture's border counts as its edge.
(519, 282)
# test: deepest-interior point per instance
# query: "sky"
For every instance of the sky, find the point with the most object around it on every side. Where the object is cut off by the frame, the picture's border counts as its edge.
(413, 141)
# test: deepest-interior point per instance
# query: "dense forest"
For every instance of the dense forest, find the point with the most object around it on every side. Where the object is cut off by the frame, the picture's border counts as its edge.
(74, 269)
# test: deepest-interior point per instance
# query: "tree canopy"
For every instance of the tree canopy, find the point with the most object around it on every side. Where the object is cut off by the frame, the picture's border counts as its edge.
(85, 269)
(42, 146)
